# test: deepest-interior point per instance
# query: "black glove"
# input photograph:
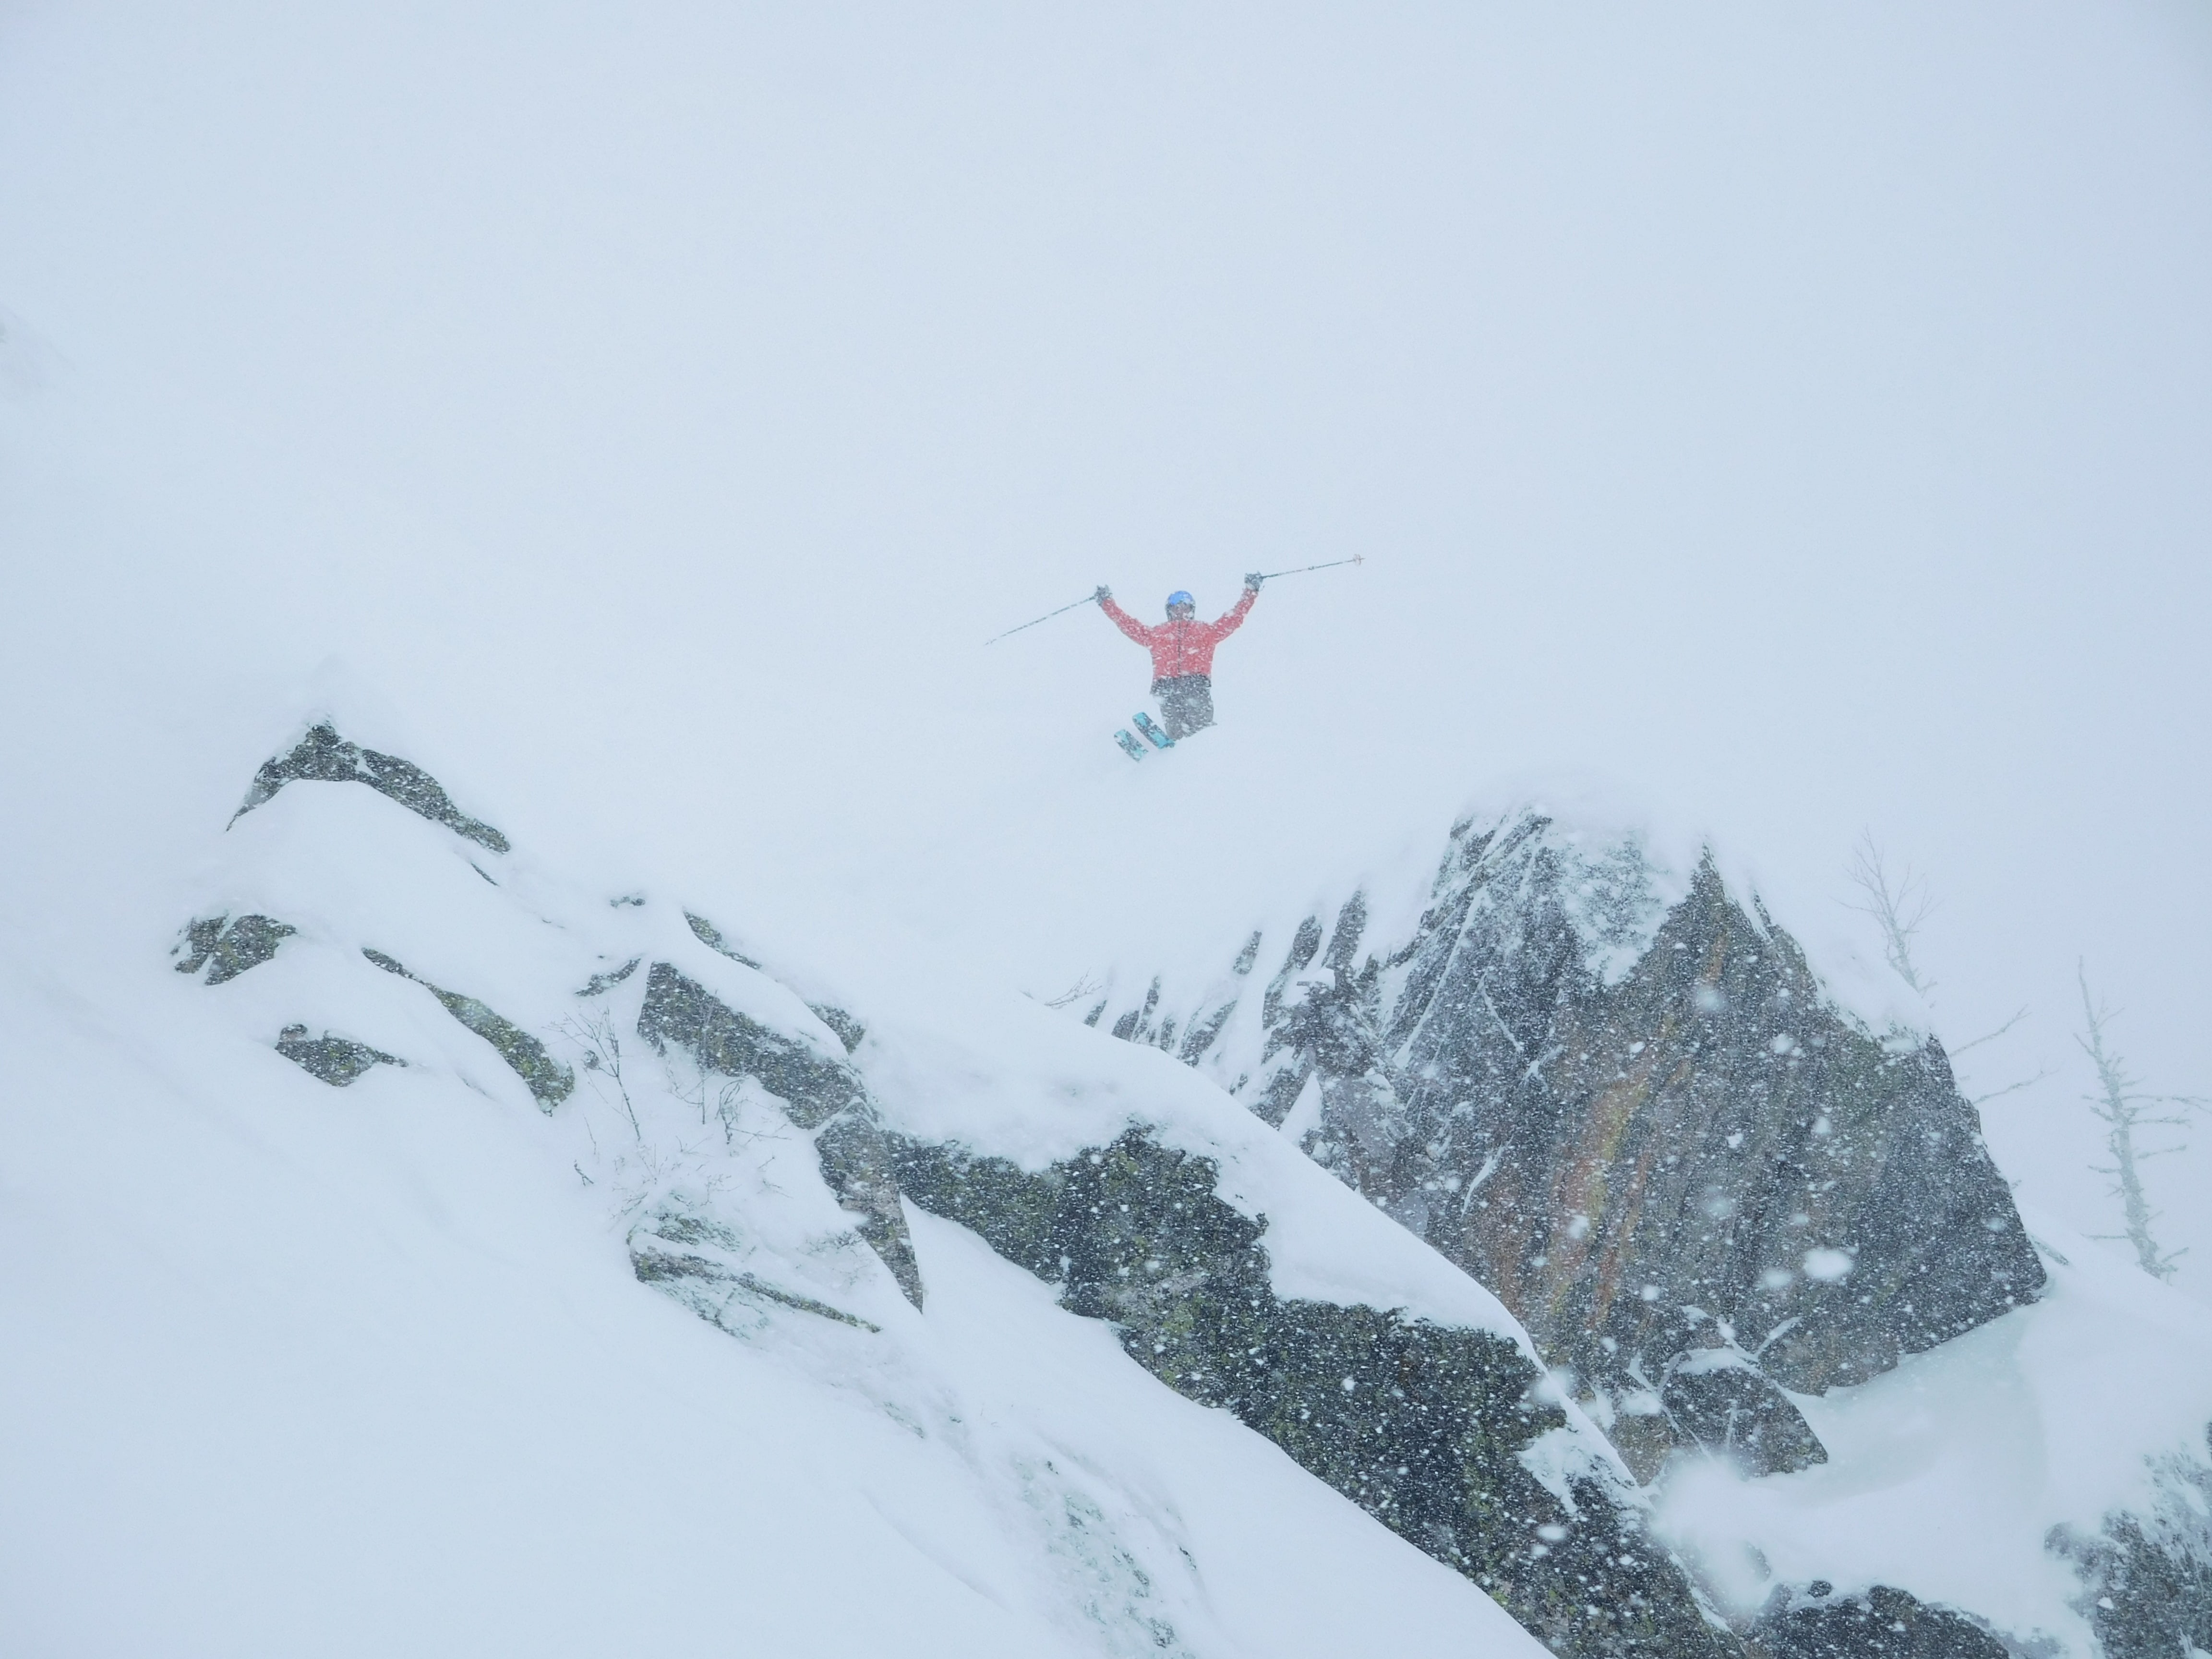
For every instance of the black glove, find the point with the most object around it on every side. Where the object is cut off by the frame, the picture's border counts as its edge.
(1253, 579)
(1103, 593)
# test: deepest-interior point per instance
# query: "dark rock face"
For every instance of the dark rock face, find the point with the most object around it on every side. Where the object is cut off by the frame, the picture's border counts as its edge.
(1425, 1427)
(600, 984)
(336, 1061)
(549, 1080)
(823, 1096)
(1886, 1623)
(2149, 1577)
(1642, 1126)
(227, 945)
(711, 937)
(813, 1088)
(323, 756)
(849, 1031)
(1718, 1399)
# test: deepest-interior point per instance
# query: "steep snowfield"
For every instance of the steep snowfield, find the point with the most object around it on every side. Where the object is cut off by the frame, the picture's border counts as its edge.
(368, 1370)
(371, 1368)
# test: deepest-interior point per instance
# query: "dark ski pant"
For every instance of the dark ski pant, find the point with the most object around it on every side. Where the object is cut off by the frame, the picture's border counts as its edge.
(1185, 703)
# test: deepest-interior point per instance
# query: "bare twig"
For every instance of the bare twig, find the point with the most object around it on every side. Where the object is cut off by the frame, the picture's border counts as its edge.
(1900, 903)
(726, 1096)
(693, 1095)
(596, 1036)
(1082, 987)
(2041, 1072)
(2019, 1014)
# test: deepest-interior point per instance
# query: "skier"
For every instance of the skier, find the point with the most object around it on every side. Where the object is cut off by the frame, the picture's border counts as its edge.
(1182, 654)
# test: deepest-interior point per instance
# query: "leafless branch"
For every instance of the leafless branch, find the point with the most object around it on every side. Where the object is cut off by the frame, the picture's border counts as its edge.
(2121, 1104)
(595, 1033)
(2041, 1072)
(723, 1099)
(1083, 987)
(2018, 1015)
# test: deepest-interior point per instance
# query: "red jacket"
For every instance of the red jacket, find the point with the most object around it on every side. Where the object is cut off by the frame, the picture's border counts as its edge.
(1181, 647)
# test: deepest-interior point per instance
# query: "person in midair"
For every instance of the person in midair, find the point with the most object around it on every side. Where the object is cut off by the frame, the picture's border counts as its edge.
(1183, 652)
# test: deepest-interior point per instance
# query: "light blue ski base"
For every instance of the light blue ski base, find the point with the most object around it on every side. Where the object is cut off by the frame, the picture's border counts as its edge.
(1150, 727)
(1130, 747)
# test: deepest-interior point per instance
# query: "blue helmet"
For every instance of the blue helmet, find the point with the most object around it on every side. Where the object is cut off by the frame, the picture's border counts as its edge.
(1180, 597)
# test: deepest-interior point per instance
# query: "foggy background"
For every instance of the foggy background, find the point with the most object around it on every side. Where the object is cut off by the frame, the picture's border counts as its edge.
(1791, 425)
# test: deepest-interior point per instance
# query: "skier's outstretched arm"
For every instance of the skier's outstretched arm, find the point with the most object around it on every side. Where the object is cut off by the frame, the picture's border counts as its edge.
(1121, 619)
(1233, 619)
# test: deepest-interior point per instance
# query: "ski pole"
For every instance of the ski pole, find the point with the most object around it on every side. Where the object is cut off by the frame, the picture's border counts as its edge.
(1048, 617)
(1270, 575)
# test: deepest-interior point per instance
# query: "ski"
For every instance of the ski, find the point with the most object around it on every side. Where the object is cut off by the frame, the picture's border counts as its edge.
(1130, 747)
(1150, 727)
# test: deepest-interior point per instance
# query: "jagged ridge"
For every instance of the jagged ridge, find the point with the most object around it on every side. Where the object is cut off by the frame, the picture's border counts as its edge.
(1426, 1427)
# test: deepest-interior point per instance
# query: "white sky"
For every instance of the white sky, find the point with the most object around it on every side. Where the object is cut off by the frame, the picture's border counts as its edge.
(1794, 421)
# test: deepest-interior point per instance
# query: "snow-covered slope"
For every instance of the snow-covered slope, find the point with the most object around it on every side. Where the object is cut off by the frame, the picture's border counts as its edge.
(337, 1232)
(337, 1357)
(406, 1225)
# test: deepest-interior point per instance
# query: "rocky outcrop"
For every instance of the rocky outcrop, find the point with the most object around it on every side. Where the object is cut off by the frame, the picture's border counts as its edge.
(600, 984)
(227, 945)
(820, 1095)
(711, 936)
(1883, 1624)
(2146, 1577)
(549, 1080)
(849, 1031)
(1640, 1122)
(1440, 1433)
(336, 1061)
(323, 756)
(1715, 1396)
(692, 1259)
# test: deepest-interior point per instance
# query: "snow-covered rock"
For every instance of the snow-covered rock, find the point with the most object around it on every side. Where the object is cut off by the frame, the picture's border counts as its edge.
(763, 1156)
(1757, 1233)
(1162, 1372)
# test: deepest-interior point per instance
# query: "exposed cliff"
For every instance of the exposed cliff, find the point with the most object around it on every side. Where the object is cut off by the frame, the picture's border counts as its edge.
(1439, 1432)
(1690, 1174)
